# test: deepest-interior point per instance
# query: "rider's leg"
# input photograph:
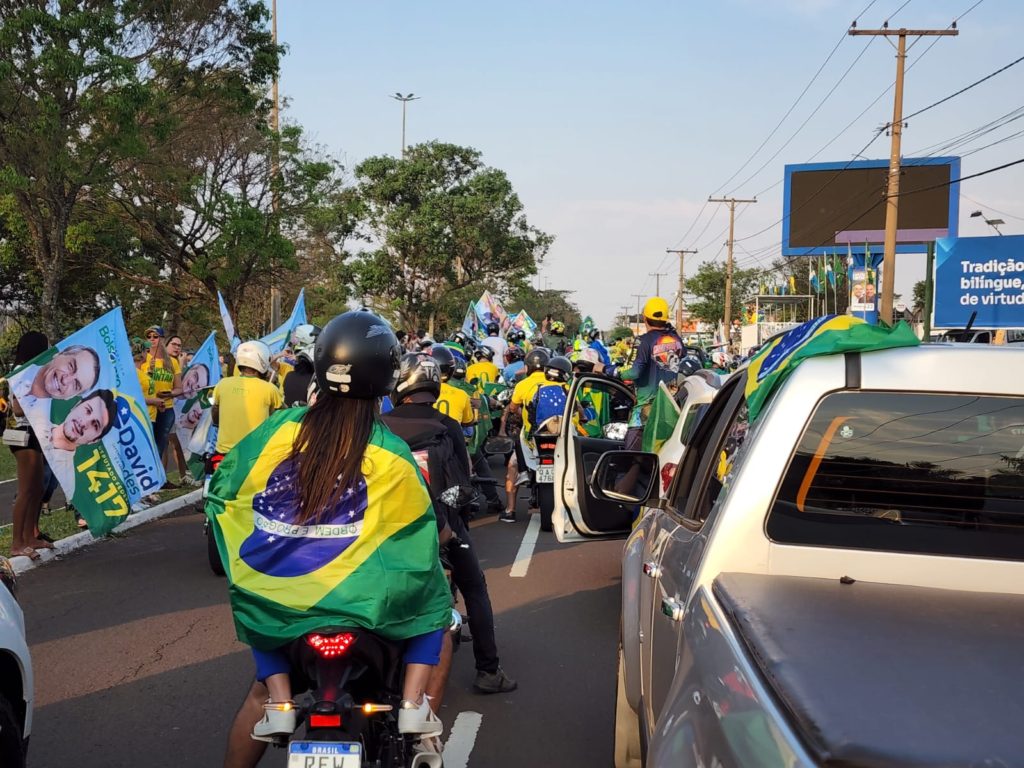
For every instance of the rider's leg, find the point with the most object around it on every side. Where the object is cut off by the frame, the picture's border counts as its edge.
(243, 751)
(422, 654)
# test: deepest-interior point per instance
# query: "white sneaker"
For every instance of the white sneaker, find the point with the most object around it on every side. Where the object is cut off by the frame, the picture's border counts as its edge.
(278, 721)
(523, 478)
(419, 719)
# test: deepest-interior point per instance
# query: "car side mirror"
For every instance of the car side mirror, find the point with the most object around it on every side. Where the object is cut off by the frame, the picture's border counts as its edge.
(626, 477)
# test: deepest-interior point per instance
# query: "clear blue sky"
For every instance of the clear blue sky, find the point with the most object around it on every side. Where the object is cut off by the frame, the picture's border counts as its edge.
(616, 120)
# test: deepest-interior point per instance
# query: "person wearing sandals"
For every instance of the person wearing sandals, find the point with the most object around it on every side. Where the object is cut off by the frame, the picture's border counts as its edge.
(29, 463)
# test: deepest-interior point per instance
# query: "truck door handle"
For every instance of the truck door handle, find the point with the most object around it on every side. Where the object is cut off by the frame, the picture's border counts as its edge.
(672, 608)
(652, 569)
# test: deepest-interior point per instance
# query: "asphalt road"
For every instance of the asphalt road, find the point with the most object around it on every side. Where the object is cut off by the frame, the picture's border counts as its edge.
(136, 661)
(9, 489)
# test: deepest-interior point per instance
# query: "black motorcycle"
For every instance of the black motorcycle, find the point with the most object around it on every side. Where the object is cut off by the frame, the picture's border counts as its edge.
(348, 714)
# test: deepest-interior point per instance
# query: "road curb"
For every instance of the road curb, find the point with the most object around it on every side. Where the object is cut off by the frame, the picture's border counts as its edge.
(85, 539)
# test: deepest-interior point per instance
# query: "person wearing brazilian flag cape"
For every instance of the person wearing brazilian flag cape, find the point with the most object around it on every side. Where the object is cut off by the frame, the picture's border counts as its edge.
(323, 520)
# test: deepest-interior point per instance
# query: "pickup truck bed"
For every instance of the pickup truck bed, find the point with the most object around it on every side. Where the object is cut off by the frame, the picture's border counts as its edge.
(884, 675)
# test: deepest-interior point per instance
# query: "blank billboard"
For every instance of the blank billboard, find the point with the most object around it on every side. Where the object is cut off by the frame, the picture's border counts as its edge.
(830, 205)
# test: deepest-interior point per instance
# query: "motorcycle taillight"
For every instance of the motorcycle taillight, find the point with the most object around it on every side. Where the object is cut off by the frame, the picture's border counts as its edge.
(330, 646)
(546, 446)
(215, 461)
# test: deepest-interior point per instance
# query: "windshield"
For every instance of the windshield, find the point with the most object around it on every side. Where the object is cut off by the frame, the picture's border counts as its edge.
(939, 474)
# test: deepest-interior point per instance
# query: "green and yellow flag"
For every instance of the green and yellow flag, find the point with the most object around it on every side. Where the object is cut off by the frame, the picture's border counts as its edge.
(660, 421)
(371, 562)
(826, 335)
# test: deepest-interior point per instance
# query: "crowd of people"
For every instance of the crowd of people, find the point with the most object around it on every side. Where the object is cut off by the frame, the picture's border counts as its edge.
(357, 376)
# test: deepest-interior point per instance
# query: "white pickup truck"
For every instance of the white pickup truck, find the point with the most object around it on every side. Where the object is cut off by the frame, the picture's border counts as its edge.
(840, 582)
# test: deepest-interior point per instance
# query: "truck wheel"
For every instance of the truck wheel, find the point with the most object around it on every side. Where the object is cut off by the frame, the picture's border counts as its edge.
(12, 748)
(627, 726)
(213, 554)
(546, 504)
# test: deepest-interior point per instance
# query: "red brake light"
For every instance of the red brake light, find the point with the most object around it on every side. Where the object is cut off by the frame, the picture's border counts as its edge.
(325, 721)
(330, 646)
(215, 460)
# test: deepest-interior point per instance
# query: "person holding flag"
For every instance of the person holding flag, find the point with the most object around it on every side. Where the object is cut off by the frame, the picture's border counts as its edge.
(338, 531)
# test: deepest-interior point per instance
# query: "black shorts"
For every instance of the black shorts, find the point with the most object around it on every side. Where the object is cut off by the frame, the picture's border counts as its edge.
(33, 443)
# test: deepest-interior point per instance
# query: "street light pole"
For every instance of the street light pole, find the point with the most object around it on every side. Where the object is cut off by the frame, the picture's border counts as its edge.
(405, 100)
(994, 223)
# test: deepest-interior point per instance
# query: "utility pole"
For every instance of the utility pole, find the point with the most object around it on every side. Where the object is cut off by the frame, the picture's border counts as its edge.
(733, 202)
(405, 100)
(679, 297)
(657, 281)
(638, 297)
(275, 169)
(892, 199)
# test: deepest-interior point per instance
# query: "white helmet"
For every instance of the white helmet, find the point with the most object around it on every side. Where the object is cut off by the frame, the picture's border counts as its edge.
(304, 338)
(253, 354)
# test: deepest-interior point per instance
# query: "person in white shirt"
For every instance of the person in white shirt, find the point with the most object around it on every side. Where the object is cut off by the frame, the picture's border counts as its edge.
(495, 342)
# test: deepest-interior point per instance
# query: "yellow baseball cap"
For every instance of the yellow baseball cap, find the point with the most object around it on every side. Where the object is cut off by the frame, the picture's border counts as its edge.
(656, 308)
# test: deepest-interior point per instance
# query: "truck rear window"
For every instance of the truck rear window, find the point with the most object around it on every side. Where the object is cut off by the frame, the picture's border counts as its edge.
(907, 472)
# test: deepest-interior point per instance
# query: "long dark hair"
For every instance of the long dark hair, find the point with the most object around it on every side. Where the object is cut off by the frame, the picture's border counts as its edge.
(30, 345)
(329, 452)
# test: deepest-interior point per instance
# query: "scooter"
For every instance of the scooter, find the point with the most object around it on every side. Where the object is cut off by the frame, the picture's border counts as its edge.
(540, 464)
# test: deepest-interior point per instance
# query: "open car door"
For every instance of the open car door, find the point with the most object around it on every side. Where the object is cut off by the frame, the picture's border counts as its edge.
(594, 422)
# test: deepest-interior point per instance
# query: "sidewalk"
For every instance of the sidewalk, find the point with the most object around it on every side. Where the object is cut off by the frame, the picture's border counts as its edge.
(84, 539)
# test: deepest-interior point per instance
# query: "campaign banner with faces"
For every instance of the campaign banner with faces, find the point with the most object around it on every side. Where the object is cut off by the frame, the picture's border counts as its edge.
(192, 409)
(83, 400)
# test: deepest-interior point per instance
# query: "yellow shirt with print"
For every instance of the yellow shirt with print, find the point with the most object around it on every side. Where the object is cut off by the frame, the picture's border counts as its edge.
(148, 390)
(523, 394)
(455, 404)
(243, 403)
(480, 373)
(283, 370)
(163, 377)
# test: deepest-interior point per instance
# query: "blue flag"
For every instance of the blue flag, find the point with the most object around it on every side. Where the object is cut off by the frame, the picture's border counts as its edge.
(229, 325)
(278, 339)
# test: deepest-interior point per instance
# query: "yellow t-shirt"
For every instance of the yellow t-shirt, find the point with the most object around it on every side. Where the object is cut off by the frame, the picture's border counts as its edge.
(163, 378)
(148, 389)
(283, 369)
(456, 404)
(243, 403)
(484, 372)
(523, 394)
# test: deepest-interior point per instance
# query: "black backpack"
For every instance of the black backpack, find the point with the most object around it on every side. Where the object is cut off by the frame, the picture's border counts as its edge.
(432, 448)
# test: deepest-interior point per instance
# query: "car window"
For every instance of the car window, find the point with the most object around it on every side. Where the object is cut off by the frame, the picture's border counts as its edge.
(907, 472)
(707, 435)
(600, 403)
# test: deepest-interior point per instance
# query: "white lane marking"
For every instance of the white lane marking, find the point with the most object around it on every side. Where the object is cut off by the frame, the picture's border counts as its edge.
(5, 482)
(522, 563)
(461, 739)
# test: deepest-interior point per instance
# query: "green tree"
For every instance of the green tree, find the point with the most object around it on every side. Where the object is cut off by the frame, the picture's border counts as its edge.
(540, 303)
(919, 295)
(443, 222)
(91, 89)
(708, 286)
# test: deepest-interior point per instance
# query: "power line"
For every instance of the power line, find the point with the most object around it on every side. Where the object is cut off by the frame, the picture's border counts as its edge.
(994, 210)
(965, 89)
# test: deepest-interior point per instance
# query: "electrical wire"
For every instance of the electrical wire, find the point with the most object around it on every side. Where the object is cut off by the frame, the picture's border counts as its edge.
(994, 210)
(964, 89)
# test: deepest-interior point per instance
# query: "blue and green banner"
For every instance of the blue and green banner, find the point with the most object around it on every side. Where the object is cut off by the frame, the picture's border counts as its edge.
(193, 406)
(84, 402)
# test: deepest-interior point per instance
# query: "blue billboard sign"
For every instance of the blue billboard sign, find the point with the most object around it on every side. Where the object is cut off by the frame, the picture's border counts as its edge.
(843, 205)
(983, 275)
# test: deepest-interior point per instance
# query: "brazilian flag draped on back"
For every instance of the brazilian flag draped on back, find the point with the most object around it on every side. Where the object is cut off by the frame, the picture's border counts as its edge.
(372, 562)
(826, 335)
(661, 421)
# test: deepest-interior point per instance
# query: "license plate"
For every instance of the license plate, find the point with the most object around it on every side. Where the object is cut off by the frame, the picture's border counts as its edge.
(545, 474)
(324, 754)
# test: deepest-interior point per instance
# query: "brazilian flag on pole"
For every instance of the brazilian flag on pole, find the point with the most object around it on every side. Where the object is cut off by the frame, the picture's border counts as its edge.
(660, 421)
(371, 562)
(826, 335)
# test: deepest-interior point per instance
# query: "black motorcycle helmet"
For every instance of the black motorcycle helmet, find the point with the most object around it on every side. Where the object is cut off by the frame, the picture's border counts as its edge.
(593, 334)
(356, 355)
(445, 360)
(483, 352)
(493, 329)
(459, 371)
(558, 368)
(417, 373)
(537, 359)
(689, 366)
(460, 338)
(514, 354)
